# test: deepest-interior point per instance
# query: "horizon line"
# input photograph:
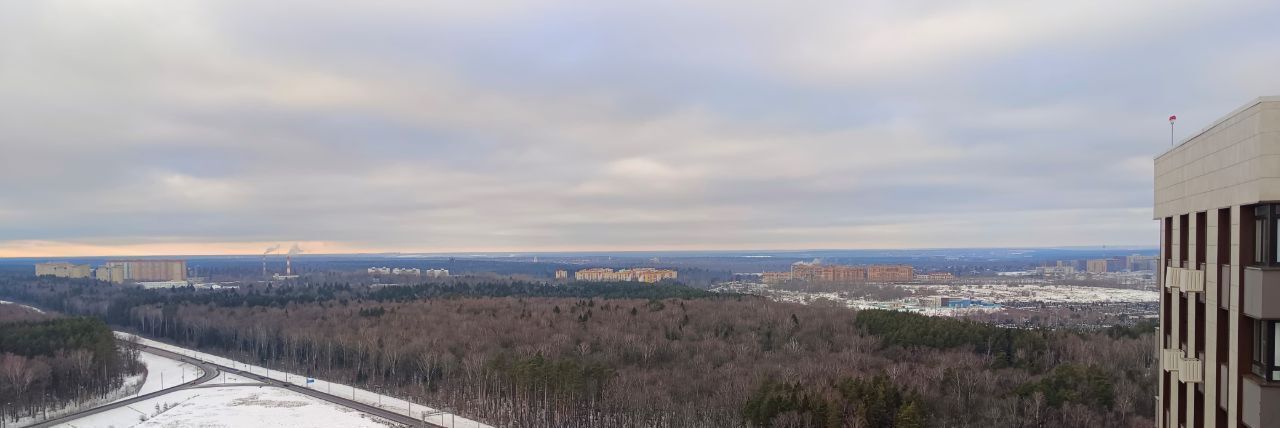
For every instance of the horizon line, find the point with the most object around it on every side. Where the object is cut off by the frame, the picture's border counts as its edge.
(534, 253)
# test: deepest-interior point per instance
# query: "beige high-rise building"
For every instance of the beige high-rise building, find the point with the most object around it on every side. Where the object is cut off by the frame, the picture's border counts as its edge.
(62, 270)
(119, 271)
(1217, 198)
(890, 273)
(636, 274)
(828, 273)
(1096, 266)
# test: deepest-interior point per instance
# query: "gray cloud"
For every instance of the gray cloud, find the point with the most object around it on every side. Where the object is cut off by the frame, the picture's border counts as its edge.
(550, 125)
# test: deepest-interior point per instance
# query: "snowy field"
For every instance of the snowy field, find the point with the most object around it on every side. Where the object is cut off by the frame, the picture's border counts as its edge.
(124, 393)
(1047, 293)
(6, 302)
(413, 410)
(1000, 294)
(232, 406)
(166, 373)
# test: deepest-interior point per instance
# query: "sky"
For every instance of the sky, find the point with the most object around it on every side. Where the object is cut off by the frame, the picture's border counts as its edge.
(226, 127)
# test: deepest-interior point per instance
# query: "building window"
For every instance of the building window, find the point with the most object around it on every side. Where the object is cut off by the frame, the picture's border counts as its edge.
(1266, 222)
(1266, 345)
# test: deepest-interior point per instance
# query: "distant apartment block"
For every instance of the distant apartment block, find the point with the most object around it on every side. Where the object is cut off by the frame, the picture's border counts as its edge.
(394, 271)
(890, 273)
(1217, 199)
(120, 271)
(1057, 271)
(637, 274)
(1137, 262)
(775, 277)
(936, 276)
(816, 272)
(562, 274)
(1097, 266)
(435, 273)
(62, 270)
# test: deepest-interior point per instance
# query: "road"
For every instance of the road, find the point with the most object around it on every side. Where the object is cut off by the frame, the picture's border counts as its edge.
(382, 413)
(210, 372)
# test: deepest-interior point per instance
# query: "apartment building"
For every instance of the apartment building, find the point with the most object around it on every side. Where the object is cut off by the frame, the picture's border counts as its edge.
(636, 274)
(1096, 266)
(828, 273)
(1217, 200)
(775, 277)
(119, 271)
(62, 270)
(890, 273)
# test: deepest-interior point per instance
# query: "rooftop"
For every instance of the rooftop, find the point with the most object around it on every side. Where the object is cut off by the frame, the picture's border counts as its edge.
(1246, 106)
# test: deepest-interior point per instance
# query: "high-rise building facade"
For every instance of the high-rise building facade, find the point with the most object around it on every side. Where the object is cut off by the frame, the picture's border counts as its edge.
(635, 274)
(119, 271)
(1096, 266)
(828, 273)
(1217, 199)
(890, 273)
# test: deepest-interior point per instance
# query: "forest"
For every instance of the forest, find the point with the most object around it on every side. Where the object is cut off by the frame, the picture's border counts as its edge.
(519, 354)
(49, 362)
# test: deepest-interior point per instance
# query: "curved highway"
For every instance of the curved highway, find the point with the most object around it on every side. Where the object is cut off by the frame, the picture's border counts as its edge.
(356, 405)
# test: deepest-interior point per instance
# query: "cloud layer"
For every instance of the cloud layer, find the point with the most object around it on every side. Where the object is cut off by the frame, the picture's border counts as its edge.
(212, 127)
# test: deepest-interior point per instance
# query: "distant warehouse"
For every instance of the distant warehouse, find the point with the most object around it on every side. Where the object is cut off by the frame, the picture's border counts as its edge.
(62, 270)
(120, 271)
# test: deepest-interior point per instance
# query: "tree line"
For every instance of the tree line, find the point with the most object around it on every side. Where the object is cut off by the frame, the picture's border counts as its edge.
(49, 362)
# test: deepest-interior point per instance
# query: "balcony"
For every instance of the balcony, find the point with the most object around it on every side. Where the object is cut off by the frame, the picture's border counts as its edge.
(1224, 287)
(1191, 281)
(1170, 359)
(1190, 370)
(1172, 276)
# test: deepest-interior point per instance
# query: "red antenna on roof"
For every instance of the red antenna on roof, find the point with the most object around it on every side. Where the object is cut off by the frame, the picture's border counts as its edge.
(1172, 119)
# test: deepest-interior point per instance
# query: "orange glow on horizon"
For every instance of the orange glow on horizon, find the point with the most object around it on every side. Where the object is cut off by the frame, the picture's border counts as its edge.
(59, 249)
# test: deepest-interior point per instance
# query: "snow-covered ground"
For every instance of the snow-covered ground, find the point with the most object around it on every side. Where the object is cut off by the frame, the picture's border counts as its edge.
(6, 302)
(413, 410)
(1047, 293)
(123, 393)
(166, 373)
(232, 406)
(999, 294)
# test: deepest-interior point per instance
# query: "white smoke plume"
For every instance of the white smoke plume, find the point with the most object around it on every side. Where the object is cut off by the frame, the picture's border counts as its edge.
(295, 249)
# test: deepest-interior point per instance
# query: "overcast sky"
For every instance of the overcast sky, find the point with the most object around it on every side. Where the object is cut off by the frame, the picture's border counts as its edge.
(206, 127)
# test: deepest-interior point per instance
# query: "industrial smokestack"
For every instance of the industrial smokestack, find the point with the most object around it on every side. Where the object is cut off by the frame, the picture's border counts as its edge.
(288, 260)
(264, 257)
